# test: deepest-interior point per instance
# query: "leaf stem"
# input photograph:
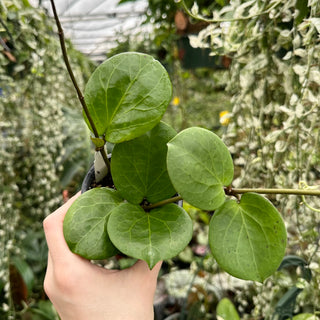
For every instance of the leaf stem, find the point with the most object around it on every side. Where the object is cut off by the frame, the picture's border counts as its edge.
(74, 81)
(235, 191)
(162, 203)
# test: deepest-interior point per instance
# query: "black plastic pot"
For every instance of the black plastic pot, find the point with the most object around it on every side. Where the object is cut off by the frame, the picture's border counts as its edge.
(89, 182)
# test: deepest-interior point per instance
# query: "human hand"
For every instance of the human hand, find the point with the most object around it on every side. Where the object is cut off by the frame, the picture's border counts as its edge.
(80, 290)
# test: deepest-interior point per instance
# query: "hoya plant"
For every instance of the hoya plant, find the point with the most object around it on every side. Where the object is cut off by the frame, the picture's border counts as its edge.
(138, 211)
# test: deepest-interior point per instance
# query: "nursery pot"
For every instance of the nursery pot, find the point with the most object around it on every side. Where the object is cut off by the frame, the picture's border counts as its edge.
(89, 182)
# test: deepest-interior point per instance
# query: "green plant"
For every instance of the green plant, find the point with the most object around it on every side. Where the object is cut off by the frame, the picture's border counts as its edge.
(136, 213)
(125, 99)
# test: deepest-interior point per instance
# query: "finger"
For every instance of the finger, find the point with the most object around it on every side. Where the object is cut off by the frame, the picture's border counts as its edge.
(53, 228)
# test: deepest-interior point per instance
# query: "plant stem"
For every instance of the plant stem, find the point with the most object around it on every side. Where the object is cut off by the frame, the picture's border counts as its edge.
(162, 203)
(75, 84)
(67, 63)
(234, 192)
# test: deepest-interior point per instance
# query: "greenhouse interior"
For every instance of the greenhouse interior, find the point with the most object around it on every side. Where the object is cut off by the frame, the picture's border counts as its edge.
(159, 159)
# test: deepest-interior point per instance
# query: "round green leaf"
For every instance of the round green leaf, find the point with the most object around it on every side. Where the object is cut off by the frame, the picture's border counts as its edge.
(226, 310)
(151, 236)
(199, 165)
(127, 95)
(85, 224)
(139, 167)
(248, 239)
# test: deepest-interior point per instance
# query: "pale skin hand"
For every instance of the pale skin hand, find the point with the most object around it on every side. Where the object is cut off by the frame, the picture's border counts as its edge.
(80, 290)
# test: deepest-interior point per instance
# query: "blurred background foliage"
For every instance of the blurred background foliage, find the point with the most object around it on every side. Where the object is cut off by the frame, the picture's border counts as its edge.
(254, 81)
(40, 146)
(273, 134)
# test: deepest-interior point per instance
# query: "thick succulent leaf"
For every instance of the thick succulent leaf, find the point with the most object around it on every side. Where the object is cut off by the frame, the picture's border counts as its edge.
(139, 167)
(151, 236)
(248, 239)
(85, 224)
(127, 95)
(199, 165)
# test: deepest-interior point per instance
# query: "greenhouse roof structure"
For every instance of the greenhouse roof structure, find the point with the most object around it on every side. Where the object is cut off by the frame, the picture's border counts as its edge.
(94, 26)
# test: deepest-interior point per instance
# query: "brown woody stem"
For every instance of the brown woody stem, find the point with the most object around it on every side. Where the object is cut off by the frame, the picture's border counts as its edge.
(75, 84)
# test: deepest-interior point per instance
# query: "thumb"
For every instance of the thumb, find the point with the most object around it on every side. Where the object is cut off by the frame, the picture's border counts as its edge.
(141, 268)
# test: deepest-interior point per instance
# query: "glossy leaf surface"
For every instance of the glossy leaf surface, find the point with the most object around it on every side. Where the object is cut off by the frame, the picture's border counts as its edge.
(139, 167)
(127, 95)
(248, 239)
(85, 224)
(151, 236)
(199, 165)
